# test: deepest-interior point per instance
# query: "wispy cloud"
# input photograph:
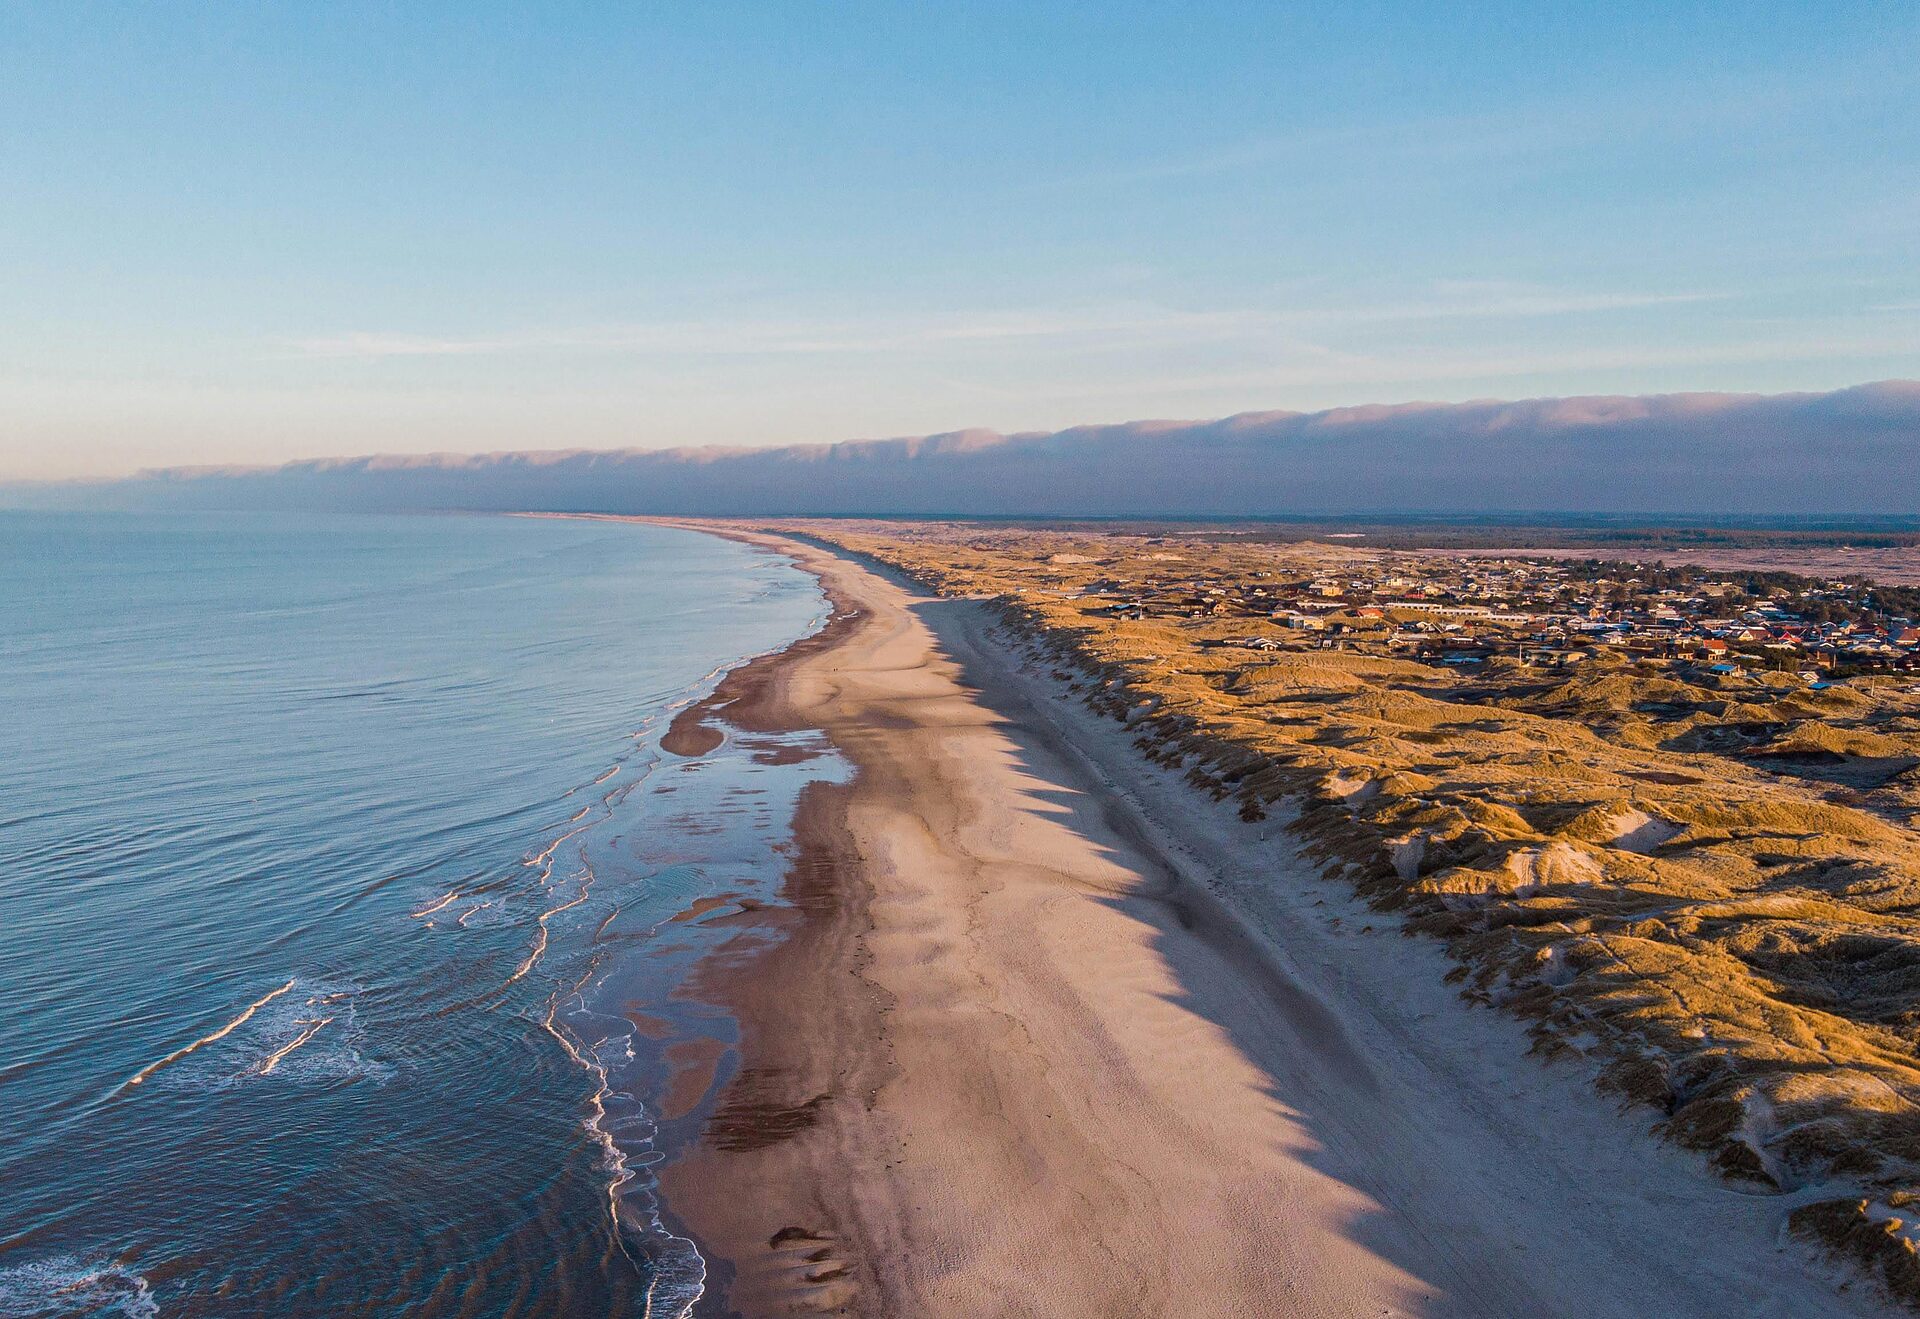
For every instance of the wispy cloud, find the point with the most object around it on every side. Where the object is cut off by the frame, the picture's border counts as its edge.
(1499, 300)
(359, 343)
(762, 338)
(1143, 324)
(1477, 368)
(1549, 127)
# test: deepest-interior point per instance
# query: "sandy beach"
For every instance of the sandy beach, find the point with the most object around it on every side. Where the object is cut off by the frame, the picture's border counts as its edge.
(1040, 1030)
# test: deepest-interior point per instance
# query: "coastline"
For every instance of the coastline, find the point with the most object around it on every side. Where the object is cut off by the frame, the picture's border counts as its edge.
(1044, 1031)
(790, 976)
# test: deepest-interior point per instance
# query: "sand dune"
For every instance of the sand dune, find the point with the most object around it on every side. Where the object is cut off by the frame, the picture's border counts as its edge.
(1042, 1031)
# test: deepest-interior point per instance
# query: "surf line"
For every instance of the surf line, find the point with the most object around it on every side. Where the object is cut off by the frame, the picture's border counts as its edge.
(691, 1274)
(540, 937)
(543, 859)
(272, 1060)
(220, 1034)
(616, 1158)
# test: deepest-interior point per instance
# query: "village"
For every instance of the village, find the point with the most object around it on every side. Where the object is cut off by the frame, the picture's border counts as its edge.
(1307, 644)
(1464, 612)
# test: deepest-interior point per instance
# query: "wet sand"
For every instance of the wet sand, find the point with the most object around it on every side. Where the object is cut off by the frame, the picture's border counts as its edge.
(1038, 1030)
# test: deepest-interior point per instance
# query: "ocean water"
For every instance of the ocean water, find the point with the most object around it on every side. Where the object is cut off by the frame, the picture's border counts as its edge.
(339, 876)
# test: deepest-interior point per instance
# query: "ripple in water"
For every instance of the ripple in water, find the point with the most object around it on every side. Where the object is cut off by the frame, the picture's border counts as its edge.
(340, 868)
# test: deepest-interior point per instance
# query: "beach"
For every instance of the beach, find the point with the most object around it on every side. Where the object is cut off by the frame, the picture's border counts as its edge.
(1036, 1028)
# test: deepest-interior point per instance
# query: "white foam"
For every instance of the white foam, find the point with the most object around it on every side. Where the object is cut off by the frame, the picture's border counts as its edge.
(677, 1272)
(273, 1060)
(279, 1038)
(429, 910)
(63, 1287)
(205, 1040)
(295, 1047)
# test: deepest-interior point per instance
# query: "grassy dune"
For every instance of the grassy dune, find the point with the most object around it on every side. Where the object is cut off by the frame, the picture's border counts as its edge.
(1706, 888)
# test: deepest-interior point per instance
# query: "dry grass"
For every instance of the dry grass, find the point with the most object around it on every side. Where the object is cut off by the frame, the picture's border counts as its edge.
(1708, 889)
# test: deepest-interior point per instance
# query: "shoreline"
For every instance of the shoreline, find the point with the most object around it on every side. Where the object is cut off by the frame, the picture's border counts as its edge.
(801, 1034)
(1041, 1030)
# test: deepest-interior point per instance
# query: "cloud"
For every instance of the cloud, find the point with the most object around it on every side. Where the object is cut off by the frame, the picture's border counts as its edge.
(1849, 451)
(766, 337)
(1585, 121)
(1123, 323)
(366, 344)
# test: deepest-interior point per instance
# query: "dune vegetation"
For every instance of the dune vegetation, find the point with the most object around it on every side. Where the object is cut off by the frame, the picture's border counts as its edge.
(1700, 885)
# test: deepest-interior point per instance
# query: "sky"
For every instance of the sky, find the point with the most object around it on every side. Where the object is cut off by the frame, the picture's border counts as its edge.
(251, 233)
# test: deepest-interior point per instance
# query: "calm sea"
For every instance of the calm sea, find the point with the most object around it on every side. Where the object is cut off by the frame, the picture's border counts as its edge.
(338, 869)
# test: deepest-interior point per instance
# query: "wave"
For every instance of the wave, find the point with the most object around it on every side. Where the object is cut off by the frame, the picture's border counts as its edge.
(433, 907)
(544, 861)
(273, 1059)
(540, 926)
(274, 1080)
(205, 1040)
(532, 958)
(280, 1030)
(616, 1120)
(63, 1287)
(676, 1271)
(283, 1051)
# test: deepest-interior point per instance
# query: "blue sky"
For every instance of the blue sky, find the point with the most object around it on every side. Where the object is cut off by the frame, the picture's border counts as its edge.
(257, 232)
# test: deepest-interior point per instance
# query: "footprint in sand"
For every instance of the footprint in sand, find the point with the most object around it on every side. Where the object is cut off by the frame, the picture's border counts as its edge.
(814, 1267)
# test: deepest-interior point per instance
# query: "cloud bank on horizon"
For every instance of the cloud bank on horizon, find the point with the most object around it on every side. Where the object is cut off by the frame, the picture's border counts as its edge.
(1853, 450)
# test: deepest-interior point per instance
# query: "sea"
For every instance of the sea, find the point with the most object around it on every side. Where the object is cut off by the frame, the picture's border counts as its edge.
(349, 907)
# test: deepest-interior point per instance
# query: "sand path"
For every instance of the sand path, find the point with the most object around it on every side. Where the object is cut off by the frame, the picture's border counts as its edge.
(1048, 1034)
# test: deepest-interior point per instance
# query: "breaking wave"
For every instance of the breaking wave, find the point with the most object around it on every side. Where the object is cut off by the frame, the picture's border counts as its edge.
(67, 1288)
(270, 1038)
